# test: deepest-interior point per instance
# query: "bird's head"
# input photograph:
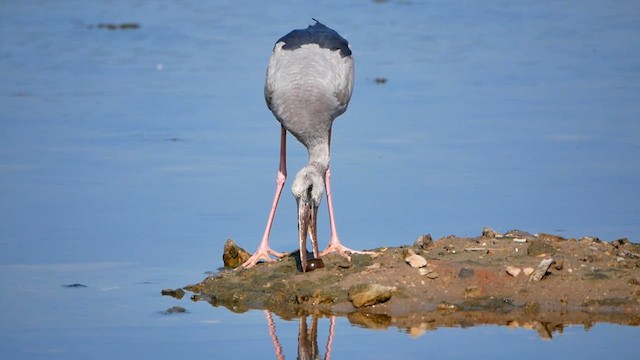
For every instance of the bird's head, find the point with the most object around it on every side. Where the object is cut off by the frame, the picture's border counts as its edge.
(308, 187)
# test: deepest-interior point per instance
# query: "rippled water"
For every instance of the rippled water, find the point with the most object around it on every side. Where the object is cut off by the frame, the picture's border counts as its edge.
(129, 156)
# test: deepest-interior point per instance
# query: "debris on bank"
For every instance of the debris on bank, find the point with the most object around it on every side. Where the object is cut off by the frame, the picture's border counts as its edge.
(512, 271)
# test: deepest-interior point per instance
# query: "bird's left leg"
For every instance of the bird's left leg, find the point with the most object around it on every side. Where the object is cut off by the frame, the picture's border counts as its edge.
(334, 242)
(274, 337)
(264, 250)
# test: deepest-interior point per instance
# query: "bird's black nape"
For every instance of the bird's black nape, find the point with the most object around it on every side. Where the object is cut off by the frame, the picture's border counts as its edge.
(318, 34)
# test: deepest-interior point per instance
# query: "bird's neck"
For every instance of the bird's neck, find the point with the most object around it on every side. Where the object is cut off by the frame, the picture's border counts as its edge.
(319, 157)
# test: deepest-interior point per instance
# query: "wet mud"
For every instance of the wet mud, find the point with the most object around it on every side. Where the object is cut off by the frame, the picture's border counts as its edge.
(542, 281)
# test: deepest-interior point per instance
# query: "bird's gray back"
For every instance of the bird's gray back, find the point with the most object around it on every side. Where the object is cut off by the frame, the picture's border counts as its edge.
(308, 83)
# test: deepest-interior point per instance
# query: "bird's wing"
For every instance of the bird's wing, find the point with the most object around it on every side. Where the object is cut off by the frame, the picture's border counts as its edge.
(268, 90)
(344, 83)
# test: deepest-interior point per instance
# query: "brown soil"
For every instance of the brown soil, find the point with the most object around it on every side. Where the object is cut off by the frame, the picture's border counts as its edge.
(464, 283)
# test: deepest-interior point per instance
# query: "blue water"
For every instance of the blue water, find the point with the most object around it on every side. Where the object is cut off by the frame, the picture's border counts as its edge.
(128, 157)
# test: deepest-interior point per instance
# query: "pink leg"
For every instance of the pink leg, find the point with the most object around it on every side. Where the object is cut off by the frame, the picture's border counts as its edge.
(274, 337)
(327, 354)
(334, 241)
(263, 249)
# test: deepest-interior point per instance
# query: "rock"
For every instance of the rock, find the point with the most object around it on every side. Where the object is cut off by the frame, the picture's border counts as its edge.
(540, 247)
(527, 271)
(541, 271)
(174, 310)
(369, 294)
(414, 260)
(177, 293)
(477, 249)
(76, 285)
(233, 255)
(465, 273)
(490, 233)
(515, 233)
(553, 238)
(559, 264)
(620, 242)
(424, 242)
(472, 292)
(429, 273)
(433, 275)
(313, 264)
(513, 271)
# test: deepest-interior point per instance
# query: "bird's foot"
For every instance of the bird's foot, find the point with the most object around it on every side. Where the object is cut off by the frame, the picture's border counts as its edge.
(262, 254)
(336, 246)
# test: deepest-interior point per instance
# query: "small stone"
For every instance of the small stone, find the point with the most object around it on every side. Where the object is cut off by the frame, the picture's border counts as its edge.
(424, 242)
(515, 233)
(550, 237)
(490, 233)
(620, 242)
(540, 247)
(313, 264)
(513, 271)
(174, 310)
(177, 293)
(416, 261)
(433, 275)
(558, 265)
(233, 255)
(527, 271)
(472, 292)
(76, 285)
(541, 271)
(369, 294)
(465, 273)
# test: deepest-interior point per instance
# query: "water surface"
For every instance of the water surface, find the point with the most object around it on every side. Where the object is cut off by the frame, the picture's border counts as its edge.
(129, 156)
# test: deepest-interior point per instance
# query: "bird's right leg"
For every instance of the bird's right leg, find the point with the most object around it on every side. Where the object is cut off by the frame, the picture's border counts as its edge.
(264, 250)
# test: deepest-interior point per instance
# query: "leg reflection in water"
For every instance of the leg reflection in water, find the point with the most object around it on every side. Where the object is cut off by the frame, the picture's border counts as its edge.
(307, 338)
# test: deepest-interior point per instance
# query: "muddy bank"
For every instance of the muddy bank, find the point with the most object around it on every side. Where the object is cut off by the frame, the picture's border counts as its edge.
(491, 279)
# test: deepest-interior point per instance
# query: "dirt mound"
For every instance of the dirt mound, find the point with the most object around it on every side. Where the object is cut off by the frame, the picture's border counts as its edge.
(516, 278)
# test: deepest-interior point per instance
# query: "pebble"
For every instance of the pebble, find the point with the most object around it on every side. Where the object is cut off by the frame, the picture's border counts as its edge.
(415, 260)
(539, 247)
(489, 232)
(424, 242)
(513, 271)
(177, 293)
(370, 294)
(466, 273)
(233, 255)
(174, 310)
(313, 264)
(541, 271)
(527, 271)
(429, 273)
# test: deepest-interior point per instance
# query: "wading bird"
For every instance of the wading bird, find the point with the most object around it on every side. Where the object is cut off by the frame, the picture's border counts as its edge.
(309, 83)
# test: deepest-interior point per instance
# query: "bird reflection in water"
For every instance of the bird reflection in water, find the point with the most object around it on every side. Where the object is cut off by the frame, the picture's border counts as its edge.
(307, 338)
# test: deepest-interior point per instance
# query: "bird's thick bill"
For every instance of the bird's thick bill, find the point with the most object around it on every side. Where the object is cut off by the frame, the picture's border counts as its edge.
(307, 224)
